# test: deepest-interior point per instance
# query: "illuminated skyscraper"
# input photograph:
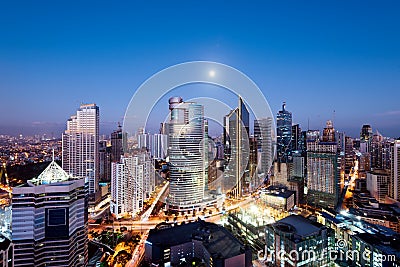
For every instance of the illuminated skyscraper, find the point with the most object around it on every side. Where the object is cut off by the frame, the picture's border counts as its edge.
(80, 145)
(187, 154)
(49, 220)
(283, 134)
(296, 138)
(395, 171)
(328, 134)
(263, 135)
(366, 132)
(156, 144)
(118, 144)
(236, 125)
(104, 161)
(366, 139)
(323, 169)
(132, 182)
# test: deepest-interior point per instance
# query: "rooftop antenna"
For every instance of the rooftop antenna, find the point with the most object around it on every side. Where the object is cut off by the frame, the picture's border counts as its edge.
(308, 123)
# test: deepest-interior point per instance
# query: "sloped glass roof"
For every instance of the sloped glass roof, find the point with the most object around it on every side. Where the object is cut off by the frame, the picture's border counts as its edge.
(52, 174)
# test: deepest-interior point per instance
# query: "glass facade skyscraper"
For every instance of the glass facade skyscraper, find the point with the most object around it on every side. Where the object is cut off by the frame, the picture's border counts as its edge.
(118, 144)
(187, 155)
(236, 136)
(284, 134)
(263, 135)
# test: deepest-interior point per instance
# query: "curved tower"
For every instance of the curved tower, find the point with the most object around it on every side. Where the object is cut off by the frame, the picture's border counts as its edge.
(186, 154)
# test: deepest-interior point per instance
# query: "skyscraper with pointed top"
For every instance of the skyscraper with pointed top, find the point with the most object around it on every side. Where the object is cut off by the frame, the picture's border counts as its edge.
(49, 220)
(283, 134)
(236, 139)
(323, 169)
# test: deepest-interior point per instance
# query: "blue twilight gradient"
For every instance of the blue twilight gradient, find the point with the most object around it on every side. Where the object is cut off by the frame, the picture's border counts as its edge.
(318, 56)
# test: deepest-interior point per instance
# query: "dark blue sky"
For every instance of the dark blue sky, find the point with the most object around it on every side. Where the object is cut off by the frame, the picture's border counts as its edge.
(318, 56)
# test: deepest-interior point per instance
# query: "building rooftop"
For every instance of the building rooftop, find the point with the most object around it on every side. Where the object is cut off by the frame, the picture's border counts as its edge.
(379, 172)
(279, 191)
(299, 226)
(218, 241)
(52, 174)
(331, 218)
(388, 244)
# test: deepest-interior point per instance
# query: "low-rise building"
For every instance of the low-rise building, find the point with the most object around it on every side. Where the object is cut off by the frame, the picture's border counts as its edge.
(376, 250)
(367, 208)
(278, 197)
(378, 184)
(209, 243)
(360, 243)
(298, 241)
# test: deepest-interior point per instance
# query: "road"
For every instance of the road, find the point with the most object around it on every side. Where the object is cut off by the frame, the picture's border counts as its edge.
(346, 193)
(148, 222)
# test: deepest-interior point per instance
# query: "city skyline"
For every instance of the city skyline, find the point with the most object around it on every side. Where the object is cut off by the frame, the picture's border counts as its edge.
(101, 54)
(186, 133)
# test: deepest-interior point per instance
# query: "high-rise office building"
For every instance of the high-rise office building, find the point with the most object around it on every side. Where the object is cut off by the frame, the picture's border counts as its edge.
(395, 171)
(236, 136)
(378, 184)
(340, 138)
(349, 153)
(254, 180)
(366, 132)
(380, 152)
(104, 161)
(284, 134)
(365, 138)
(49, 220)
(159, 146)
(377, 151)
(187, 154)
(118, 144)
(328, 135)
(80, 143)
(263, 135)
(296, 138)
(156, 144)
(323, 169)
(132, 182)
